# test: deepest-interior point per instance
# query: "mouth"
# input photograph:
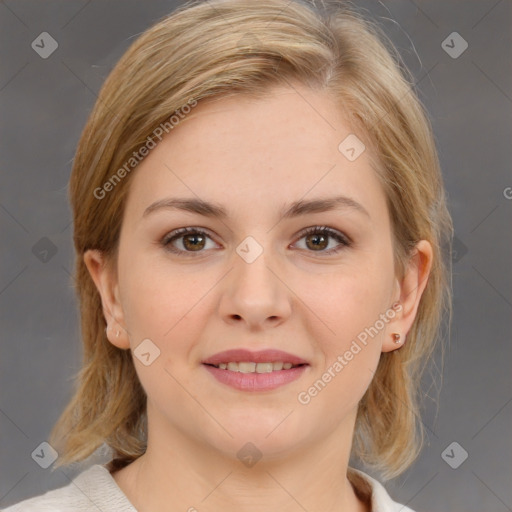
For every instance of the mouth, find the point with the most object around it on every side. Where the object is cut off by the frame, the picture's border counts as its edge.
(245, 370)
(253, 367)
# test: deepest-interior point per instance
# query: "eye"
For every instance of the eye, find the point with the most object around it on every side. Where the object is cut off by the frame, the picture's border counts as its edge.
(193, 241)
(188, 240)
(317, 239)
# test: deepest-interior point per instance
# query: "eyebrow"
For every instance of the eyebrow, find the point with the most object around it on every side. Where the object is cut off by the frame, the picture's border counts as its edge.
(295, 209)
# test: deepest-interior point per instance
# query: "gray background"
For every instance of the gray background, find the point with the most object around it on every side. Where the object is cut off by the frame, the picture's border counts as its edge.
(44, 104)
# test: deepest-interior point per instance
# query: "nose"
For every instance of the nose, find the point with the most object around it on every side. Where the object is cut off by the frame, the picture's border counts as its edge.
(255, 293)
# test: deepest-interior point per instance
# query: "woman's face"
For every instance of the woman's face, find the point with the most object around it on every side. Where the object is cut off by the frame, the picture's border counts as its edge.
(255, 279)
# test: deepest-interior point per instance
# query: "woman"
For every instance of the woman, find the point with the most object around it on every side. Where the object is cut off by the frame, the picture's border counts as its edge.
(259, 221)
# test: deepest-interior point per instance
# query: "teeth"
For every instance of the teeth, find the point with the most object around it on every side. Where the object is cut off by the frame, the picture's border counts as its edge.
(264, 367)
(246, 367)
(251, 367)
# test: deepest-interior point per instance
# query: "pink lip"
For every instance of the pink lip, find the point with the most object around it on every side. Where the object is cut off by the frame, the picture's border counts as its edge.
(262, 356)
(255, 381)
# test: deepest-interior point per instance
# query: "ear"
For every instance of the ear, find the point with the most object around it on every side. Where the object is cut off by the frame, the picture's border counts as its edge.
(408, 295)
(105, 279)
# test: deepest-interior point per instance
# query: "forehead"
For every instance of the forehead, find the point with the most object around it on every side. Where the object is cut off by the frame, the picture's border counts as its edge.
(277, 148)
(286, 124)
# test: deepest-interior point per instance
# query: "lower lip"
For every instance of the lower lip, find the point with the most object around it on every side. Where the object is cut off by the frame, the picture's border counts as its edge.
(256, 381)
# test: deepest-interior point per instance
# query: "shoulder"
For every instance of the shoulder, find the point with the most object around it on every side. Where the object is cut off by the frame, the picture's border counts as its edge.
(374, 493)
(92, 490)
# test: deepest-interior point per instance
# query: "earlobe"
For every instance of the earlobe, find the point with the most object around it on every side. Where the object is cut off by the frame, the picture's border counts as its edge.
(411, 289)
(106, 284)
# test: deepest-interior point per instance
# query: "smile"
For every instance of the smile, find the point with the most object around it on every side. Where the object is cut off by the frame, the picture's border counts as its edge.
(251, 367)
(254, 377)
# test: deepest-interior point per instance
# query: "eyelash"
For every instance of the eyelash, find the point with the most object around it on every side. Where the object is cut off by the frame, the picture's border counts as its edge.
(343, 240)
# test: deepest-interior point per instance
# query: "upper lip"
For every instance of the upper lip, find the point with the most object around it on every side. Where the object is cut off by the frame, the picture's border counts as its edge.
(262, 356)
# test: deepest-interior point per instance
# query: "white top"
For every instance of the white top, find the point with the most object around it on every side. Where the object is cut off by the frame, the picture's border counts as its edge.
(95, 489)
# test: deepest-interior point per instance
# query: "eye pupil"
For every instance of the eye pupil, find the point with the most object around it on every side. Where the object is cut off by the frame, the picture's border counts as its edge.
(195, 246)
(315, 238)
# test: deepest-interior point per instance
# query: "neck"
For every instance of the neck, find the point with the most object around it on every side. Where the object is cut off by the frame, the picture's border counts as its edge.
(182, 474)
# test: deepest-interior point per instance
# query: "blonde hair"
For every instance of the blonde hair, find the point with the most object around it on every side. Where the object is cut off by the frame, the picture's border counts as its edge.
(218, 48)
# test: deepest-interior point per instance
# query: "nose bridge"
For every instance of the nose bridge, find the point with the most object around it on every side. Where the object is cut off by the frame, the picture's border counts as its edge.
(254, 292)
(253, 279)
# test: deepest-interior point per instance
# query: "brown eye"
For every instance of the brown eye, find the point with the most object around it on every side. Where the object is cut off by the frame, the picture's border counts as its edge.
(317, 241)
(194, 242)
(318, 238)
(186, 241)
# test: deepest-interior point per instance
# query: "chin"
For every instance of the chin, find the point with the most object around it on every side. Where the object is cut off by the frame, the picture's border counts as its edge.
(272, 432)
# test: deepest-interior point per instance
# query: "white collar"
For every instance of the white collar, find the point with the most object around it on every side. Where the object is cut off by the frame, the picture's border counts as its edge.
(380, 499)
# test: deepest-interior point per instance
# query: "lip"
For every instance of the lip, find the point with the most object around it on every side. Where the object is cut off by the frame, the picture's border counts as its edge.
(261, 356)
(255, 381)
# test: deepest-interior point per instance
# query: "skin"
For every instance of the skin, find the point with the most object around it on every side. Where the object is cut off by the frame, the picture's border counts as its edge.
(253, 156)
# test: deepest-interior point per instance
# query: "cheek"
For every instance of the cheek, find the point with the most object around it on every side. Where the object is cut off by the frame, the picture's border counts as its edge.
(159, 305)
(167, 309)
(350, 302)
(350, 353)
(155, 297)
(354, 310)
